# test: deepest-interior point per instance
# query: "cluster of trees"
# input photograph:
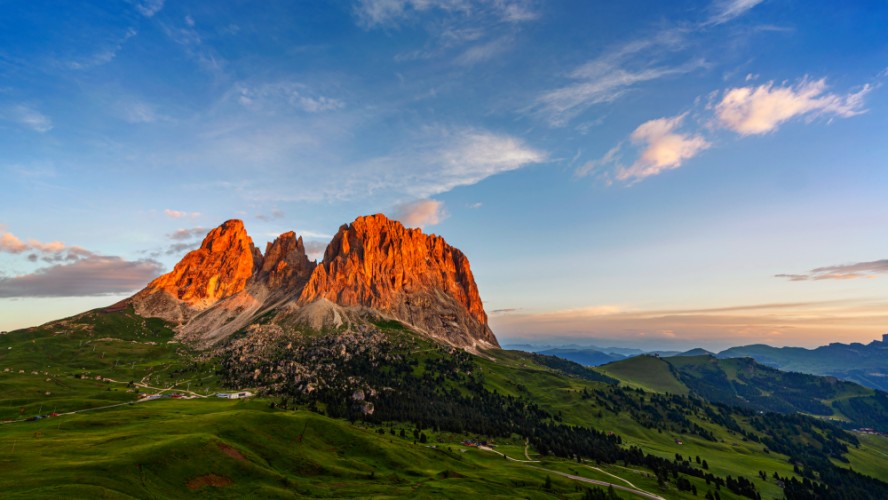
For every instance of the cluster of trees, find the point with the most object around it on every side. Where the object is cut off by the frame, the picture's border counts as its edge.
(382, 378)
(759, 387)
(572, 368)
(871, 411)
(833, 484)
(664, 412)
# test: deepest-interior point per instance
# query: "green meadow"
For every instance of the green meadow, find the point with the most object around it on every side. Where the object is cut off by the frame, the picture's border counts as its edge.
(211, 447)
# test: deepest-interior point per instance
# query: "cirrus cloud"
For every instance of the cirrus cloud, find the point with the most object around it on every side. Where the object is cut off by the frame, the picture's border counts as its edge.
(178, 214)
(440, 159)
(856, 270)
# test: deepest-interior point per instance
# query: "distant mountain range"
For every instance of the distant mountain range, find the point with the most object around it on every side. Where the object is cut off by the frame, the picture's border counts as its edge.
(745, 383)
(585, 357)
(866, 364)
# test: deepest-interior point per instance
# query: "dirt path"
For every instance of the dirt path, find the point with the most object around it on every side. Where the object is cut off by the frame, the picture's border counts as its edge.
(612, 475)
(486, 448)
(171, 388)
(634, 491)
(526, 447)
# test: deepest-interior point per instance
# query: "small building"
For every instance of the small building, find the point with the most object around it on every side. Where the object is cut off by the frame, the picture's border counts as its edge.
(234, 395)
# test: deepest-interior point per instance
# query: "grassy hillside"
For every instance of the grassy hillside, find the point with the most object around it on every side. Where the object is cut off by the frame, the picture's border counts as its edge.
(650, 373)
(96, 359)
(208, 446)
(170, 449)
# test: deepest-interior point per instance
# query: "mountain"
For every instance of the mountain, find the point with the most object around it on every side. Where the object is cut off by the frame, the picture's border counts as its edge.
(866, 364)
(415, 278)
(745, 383)
(374, 268)
(585, 357)
(359, 389)
(695, 352)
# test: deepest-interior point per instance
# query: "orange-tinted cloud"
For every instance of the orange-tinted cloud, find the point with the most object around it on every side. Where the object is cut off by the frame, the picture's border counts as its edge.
(802, 323)
(420, 213)
(759, 110)
(841, 272)
(662, 148)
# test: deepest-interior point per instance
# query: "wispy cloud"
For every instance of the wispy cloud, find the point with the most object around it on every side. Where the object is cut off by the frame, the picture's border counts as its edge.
(75, 271)
(29, 117)
(445, 158)
(420, 213)
(188, 234)
(11, 244)
(137, 111)
(103, 56)
(745, 111)
(53, 251)
(761, 109)
(484, 51)
(727, 10)
(796, 323)
(186, 35)
(315, 249)
(467, 32)
(662, 148)
(613, 74)
(176, 249)
(178, 214)
(93, 275)
(841, 272)
(270, 97)
(274, 215)
(659, 146)
(389, 13)
(149, 8)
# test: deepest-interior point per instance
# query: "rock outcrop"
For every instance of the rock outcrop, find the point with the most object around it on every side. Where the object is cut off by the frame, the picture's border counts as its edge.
(416, 278)
(286, 266)
(373, 268)
(220, 268)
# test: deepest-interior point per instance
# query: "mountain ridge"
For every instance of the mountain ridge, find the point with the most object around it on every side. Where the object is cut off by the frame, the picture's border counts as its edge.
(372, 268)
(866, 364)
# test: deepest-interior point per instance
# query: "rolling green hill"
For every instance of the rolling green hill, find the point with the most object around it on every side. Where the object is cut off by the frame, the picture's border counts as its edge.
(385, 413)
(651, 373)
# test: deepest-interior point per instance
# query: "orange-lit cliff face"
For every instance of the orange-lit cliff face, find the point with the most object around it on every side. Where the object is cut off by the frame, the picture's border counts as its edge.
(373, 264)
(417, 278)
(220, 268)
(285, 265)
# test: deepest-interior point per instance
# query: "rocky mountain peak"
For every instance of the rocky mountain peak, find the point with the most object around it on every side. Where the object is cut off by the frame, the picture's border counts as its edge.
(419, 279)
(218, 269)
(372, 266)
(285, 264)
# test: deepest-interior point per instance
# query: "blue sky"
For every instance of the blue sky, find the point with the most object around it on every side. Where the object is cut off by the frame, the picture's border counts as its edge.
(642, 172)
